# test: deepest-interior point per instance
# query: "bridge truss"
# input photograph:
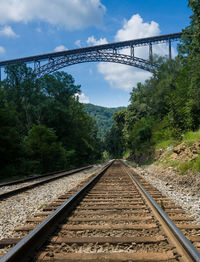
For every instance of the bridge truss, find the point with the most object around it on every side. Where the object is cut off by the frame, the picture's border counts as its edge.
(48, 63)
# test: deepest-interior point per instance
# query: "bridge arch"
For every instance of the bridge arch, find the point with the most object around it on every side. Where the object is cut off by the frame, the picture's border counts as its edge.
(95, 56)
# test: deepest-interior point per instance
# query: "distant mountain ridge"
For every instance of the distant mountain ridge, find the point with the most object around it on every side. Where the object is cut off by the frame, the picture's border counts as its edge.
(103, 116)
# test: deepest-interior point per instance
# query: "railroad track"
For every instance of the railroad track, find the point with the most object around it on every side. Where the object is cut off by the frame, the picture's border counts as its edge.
(32, 182)
(110, 218)
(30, 178)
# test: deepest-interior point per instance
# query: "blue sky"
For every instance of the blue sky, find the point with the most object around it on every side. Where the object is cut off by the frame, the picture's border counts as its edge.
(42, 26)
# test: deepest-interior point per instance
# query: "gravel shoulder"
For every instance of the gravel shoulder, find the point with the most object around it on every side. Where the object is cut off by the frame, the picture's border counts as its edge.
(15, 210)
(183, 190)
(5, 189)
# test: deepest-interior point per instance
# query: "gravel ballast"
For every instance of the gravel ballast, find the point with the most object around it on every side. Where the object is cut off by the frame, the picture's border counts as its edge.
(173, 189)
(15, 210)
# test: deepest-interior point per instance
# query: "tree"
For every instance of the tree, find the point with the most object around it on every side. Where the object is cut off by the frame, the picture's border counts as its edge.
(44, 150)
(114, 140)
(22, 89)
(11, 151)
(47, 122)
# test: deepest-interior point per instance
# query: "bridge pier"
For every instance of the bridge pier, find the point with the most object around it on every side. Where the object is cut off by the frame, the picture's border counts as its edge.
(170, 50)
(132, 51)
(36, 65)
(150, 52)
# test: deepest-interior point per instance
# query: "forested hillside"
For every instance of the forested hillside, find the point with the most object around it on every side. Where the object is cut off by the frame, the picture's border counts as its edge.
(103, 117)
(165, 110)
(43, 126)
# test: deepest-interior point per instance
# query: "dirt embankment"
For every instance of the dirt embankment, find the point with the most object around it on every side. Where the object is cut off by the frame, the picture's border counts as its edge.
(167, 167)
(164, 174)
(188, 183)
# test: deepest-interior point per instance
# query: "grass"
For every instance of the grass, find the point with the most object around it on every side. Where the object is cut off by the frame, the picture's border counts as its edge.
(191, 137)
(197, 164)
(165, 144)
(193, 165)
(185, 166)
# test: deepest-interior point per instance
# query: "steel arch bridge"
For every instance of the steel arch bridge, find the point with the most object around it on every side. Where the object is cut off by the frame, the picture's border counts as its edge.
(48, 63)
(94, 56)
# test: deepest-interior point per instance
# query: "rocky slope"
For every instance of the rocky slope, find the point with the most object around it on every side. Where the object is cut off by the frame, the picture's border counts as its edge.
(164, 173)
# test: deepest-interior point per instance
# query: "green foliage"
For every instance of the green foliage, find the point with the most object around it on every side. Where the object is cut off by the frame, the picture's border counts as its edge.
(43, 125)
(10, 140)
(197, 164)
(167, 105)
(162, 135)
(43, 148)
(140, 135)
(191, 137)
(193, 165)
(114, 140)
(164, 144)
(102, 116)
(105, 156)
(184, 167)
(127, 153)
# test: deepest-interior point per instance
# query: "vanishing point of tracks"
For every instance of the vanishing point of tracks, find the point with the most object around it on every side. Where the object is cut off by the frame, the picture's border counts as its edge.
(111, 218)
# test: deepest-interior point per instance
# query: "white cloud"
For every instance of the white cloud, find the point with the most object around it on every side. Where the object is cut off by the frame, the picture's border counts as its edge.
(123, 76)
(78, 43)
(8, 31)
(92, 41)
(60, 48)
(82, 98)
(136, 28)
(70, 14)
(39, 30)
(2, 50)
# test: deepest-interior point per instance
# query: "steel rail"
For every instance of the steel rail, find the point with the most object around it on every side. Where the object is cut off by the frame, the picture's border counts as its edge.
(36, 176)
(185, 243)
(23, 251)
(44, 181)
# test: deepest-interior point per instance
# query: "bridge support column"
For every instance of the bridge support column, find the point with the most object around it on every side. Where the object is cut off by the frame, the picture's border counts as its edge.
(150, 52)
(51, 60)
(170, 50)
(132, 51)
(36, 66)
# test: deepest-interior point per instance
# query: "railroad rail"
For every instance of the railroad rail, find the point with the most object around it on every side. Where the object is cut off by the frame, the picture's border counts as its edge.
(43, 179)
(110, 218)
(31, 177)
